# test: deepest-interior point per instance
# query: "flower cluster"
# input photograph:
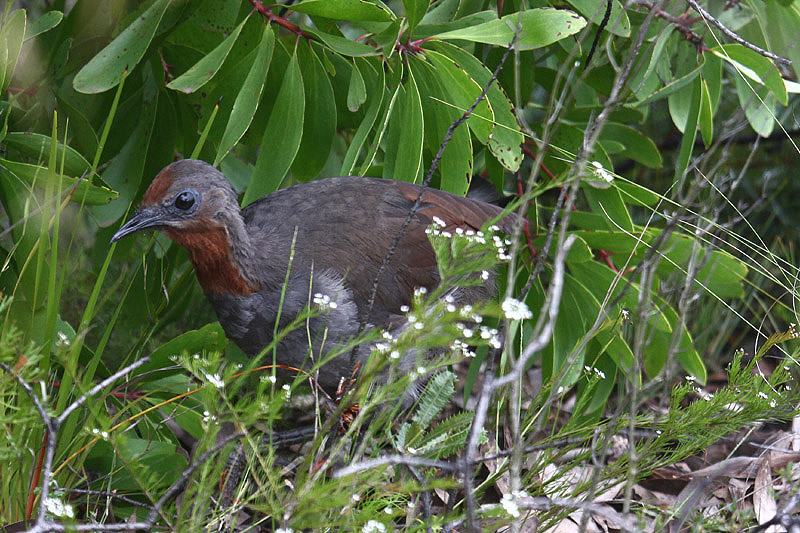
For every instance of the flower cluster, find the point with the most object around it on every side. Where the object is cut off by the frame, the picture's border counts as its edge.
(515, 310)
(323, 301)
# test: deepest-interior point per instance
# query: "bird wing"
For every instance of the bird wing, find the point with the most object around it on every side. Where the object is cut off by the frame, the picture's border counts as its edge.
(348, 225)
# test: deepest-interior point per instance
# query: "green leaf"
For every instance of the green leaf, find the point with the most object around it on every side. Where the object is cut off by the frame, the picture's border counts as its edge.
(455, 167)
(105, 70)
(319, 121)
(618, 22)
(85, 191)
(755, 67)
(342, 45)
(712, 75)
(246, 103)
(438, 392)
(356, 91)
(377, 91)
(637, 146)
(505, 141)
(661, 323)
(540, 27)
(12, 35)
(672, 87)
(205, 69)
(721, 274)
(608, 202)
(442, 12)
(37, 146)
(406, 133)
(690, 132)
(45, 23)
(706, 114)
(462, 91)
(636, 194)
(355, 10)
(758, 106)
(210, 337)
(415, 11)
(281, 137)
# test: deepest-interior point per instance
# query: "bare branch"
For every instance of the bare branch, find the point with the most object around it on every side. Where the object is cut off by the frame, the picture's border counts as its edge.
(731, 35)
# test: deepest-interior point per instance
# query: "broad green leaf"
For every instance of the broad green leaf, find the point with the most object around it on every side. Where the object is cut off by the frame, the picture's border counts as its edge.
(672, 87)
(343, 45)
(637, 146)
(206, 68)
(355, 10)
(690, 131)
(246, 103)
(84, 190)
(455, 167)
(712, 75)
(633, 193)
(357, 91)
(608, 202)
(12, 35)
(782, 21)
(381, 131)
(45, 23)
(645, 81)
(319, 121)
(443, 12)
(415, 11)
(564, 145)
(209, 337)
(598, 278)
(281, 137)
(462, 91)
(579, 252)
(618, 22)
(406, 133)
(505, 141)
(37, 146)
(375, 82)
(721, 273)
(755, 67)
(105, 70)
(758, 106)
(539, 27)
(426, 30)
(706, 114)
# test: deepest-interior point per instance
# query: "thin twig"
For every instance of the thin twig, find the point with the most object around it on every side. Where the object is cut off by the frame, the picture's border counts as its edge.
(731, 35)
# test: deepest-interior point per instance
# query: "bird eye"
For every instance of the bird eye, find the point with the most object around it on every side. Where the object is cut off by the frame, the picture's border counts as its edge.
(184, 200)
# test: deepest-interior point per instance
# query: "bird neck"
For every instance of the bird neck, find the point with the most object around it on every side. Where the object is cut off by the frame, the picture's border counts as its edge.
(219, 257)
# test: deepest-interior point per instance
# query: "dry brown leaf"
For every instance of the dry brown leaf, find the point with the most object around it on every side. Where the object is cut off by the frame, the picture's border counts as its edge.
(764, 502)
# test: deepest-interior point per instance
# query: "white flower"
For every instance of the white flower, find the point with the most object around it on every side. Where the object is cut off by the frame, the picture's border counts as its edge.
(438, 221)
(101, 434)
(324, 301)
(58, 508)
(516, 310)
(510, 505)
(373, 526)
(214, 379)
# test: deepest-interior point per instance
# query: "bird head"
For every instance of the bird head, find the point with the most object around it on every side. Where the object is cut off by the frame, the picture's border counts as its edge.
(188, 196)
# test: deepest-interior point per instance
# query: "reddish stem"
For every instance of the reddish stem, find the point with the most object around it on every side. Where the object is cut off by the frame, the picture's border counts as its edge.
(267, 13)
(37, 473)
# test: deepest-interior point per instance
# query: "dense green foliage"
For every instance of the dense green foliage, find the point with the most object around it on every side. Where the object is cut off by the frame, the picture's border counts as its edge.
(617, 133)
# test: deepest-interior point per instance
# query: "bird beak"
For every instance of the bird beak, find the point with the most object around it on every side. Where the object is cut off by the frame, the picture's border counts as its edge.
(147, 218)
